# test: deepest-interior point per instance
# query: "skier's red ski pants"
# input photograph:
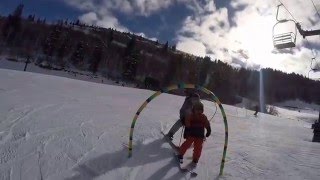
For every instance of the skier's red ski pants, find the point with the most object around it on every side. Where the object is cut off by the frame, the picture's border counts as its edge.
(197, 147)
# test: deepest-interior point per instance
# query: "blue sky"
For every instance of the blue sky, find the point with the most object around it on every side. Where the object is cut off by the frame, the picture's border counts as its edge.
(50, 9)
(162, 25)
(238, 32)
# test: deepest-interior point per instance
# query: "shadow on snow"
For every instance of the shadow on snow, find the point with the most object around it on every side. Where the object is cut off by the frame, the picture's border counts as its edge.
(143, 154)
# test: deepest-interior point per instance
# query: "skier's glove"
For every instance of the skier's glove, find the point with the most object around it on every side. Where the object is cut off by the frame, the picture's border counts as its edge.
(208, 134)
(186, 133)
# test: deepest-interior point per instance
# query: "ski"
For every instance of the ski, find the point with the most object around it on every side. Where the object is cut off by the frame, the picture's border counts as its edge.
(187, 168)
(173, 146)
(178, 161)
(190, 169)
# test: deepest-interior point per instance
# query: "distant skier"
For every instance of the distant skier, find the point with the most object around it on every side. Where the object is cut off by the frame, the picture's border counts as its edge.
(256, 108)
(191, 97)
(194, 132)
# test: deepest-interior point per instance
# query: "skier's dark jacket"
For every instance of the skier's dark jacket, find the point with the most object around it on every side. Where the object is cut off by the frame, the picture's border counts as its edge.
(195, 125)
(186, 108)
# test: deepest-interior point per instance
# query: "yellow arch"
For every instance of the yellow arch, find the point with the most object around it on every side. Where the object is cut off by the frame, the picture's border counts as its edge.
(183, 86)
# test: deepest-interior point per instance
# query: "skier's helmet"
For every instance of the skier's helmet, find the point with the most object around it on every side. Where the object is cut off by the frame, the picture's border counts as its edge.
(188, 92)
(195, 95)
(191, 93)
(197, 106)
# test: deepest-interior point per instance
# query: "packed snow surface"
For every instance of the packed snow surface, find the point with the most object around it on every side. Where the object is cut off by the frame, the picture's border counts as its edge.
(59, 128)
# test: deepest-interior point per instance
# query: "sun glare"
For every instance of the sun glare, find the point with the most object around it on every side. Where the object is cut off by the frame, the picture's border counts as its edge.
(255, 37)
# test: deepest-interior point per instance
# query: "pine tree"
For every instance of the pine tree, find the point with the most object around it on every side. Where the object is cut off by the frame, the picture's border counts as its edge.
(131, 60)
(174, 48)
(110, 37)
(204, 68)
(131, 46)
(78, 55)
(165, 47)
(52, 41)
(130, 66)
(18, 11)
(13, 24)
(62, 50)
(96, 58)
(171, 71)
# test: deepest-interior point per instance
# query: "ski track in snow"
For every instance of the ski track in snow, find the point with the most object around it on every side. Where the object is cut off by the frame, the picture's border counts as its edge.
(57, 128)
(23, 116)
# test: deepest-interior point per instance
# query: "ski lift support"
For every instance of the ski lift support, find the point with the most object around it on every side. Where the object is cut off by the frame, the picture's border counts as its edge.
(307, 33)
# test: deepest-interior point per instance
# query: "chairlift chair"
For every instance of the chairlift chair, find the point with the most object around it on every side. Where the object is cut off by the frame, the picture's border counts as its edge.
(316, 67)
(284, 40)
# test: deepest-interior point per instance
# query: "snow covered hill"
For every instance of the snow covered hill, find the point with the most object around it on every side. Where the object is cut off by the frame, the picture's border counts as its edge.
(71, 73)
(58, 128)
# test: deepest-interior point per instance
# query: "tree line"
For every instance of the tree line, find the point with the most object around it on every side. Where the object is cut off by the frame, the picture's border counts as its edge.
(123, 55)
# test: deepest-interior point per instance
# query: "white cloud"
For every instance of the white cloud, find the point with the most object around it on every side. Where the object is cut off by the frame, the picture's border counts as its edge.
(252, 34)
(135, 7)
(192, 46)
(81, 4)
(248, 41)
(143, 35)
(100, 12)
(90, 18)
(147, 7)
(208, 29)
(106, 20)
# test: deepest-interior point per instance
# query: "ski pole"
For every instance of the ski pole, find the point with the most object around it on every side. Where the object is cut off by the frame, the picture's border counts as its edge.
(181, 136)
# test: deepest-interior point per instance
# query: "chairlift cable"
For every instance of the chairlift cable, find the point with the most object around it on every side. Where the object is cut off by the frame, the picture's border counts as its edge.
(315, 8)
(288, 11)
(312, 50)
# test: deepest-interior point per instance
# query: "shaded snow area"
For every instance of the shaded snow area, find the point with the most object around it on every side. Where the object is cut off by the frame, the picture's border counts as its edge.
(59, 128)
(70, 73)
(297, 104)
(299, 110)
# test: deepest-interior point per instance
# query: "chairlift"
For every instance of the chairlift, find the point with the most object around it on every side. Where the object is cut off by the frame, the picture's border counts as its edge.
(315, 73)
(316, 67)
(284, 40)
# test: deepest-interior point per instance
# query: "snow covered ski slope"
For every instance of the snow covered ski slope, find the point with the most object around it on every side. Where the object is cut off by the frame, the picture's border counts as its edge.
(58, 128)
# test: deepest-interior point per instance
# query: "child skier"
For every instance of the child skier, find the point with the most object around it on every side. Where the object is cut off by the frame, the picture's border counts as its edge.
(185, 110)
(194, 132)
